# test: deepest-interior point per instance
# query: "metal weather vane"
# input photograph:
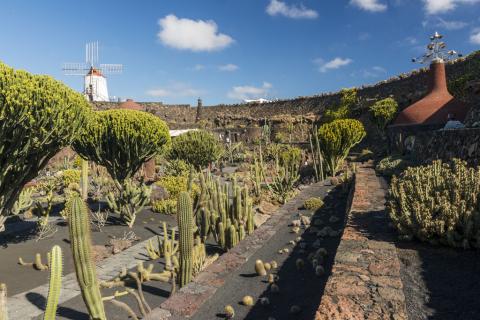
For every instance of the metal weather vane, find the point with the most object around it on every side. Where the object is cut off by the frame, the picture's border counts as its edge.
(437, 51)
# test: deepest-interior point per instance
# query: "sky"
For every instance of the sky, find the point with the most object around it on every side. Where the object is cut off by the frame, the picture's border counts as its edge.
(224, 51)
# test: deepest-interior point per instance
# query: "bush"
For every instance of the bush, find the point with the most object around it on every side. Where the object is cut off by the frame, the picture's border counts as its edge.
(39, 116)
(198, 148)
(437, 203)
(165, 206)
(337, 138)
(392, 165)
(122, 140)
(70, 176)
(177, 167)
(313, 203)
(383, 112)
(176, 184)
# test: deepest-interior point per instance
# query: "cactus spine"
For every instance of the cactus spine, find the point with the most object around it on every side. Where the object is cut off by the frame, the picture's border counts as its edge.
(3, 302)
(56, 266)
(82, 257)
(185, 226)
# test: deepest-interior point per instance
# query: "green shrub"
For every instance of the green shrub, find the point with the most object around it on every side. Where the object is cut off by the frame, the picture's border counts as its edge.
(176, 184)
(337, 138)
(70, 176)
(313, 203)
(291, 156)
(165, 206)
(437, 203)
(383, 111)
(365, 155)
(198, 148)
(177, 167)
(122, 140)
(392, 165)
(38, 117)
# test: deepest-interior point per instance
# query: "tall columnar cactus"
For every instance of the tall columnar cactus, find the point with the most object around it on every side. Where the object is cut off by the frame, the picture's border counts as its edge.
(3, 302)
(56, 266)
(84, 180)
(81, 243)
(185, 227)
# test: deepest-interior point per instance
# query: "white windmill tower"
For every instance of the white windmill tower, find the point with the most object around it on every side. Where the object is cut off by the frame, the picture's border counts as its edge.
(95, 82)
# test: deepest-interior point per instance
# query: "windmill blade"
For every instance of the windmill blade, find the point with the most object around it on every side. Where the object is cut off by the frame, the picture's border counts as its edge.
(111, 68)
(75, 69)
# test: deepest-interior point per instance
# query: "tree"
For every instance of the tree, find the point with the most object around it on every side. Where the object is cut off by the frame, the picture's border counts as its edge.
(198, 148)
(38, 117)
(337, 138)
(122, 140)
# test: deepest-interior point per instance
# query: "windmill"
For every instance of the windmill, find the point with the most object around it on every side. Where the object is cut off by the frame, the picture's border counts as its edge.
(95, 82)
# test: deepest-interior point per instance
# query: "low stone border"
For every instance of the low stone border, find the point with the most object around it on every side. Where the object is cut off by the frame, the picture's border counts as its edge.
(365, 282)
(188, 300)
(24, 305)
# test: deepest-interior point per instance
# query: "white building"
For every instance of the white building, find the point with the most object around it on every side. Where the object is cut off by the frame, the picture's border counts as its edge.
(96, 86)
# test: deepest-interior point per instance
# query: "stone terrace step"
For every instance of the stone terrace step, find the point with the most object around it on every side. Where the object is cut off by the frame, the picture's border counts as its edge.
(365, 281)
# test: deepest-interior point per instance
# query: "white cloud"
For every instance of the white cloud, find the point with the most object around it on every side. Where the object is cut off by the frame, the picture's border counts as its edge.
(373, 72)
(277, 7)
(332, 64)
(364, 36)
(451, 25)
(249, 92)
(442, 6)
(475, 36)
(199, 67)
(369, 5)
(175, 90)
(228, 67)
(194, 35)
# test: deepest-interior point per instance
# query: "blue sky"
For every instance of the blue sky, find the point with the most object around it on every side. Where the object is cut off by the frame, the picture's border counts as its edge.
(227, 50)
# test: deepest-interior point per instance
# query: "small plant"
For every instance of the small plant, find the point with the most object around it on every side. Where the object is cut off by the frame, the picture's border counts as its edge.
(70, 176)
(165, 206)
(437, 203)
(260, 268)
(247, 301)
(313, 203)
(177, 167)
(337, 138)
(129, 201)
(229, 312)
(198, 148)
(99, 219)
(393, 165)
(365, 155)
(24, 201)
(283, 183)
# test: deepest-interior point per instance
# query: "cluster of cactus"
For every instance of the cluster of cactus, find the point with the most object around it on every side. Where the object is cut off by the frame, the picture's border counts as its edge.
(336, 139)
(225, 211)
(283, 182)
(55, 283)
(39, 116)
(81, 246)
(437, 203)
(167, 248)
(129, 201)
(37, 263)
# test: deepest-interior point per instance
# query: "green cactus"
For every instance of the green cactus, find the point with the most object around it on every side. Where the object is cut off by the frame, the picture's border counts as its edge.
(84, 180)
(56, 266)
(24, 201)
(3, 302)
(185, 226)
(198, 148)
(81, 244)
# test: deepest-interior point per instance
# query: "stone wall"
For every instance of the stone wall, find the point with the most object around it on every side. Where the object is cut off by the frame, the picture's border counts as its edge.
(448, 144)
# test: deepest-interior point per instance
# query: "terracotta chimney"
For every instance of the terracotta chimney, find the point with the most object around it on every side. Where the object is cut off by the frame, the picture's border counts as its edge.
(437, 105)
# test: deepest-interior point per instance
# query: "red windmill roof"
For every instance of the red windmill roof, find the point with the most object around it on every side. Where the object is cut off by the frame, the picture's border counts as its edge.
(130, 104)
(94, 72)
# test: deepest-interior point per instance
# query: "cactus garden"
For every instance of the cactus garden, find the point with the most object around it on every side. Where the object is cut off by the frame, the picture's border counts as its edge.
(358, 204)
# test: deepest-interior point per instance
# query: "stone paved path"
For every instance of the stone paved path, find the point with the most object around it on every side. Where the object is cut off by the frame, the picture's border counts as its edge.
(365, 281)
